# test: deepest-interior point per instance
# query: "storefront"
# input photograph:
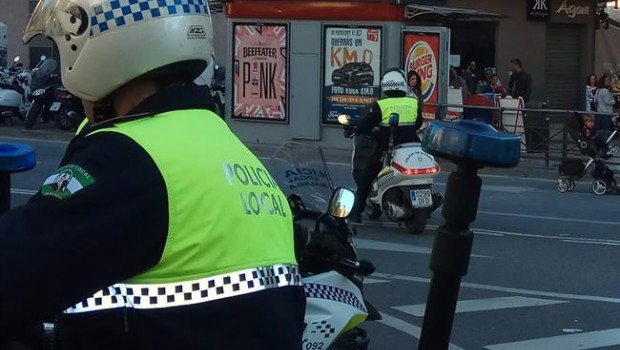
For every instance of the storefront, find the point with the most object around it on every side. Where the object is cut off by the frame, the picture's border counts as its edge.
(553, 38)
(294, 66)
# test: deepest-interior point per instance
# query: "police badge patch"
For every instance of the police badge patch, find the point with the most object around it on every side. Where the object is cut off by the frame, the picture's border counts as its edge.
(66, 181)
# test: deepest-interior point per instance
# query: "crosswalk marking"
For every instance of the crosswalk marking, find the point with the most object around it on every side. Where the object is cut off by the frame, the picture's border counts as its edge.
(374, 281)
(484, 305)
(580, 341)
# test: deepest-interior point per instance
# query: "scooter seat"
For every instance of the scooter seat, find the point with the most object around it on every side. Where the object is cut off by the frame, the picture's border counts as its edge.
(17, 89)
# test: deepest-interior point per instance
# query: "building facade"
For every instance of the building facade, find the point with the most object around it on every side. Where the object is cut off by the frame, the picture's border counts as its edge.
(15, 14)
(553, 38)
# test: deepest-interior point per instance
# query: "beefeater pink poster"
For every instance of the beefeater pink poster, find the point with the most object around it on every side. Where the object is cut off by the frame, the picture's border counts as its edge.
(260, 67)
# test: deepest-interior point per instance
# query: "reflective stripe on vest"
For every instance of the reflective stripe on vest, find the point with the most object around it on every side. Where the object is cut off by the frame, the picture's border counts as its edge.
(158, 296)
(226, 213)
(406, 107)
(81, 126)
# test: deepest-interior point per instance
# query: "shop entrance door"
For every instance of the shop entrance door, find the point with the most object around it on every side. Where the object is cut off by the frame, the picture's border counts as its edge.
(563, 80)
(305, 97)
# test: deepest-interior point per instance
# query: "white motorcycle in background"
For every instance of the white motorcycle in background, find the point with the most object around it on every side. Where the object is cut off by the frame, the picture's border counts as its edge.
(403, 189)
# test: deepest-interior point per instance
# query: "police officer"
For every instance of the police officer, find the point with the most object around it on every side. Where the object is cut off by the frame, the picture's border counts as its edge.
(169, 232)
(394, 87)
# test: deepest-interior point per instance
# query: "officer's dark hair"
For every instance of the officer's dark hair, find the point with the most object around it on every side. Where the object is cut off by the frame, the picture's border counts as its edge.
(517, 62)
(395, 93)
(180, 72)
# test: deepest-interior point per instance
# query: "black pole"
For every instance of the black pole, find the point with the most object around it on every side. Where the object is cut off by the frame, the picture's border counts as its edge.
(450, 256)
(5, 191)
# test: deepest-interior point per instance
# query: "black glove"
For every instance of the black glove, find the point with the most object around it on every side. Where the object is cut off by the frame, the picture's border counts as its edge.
(349, 130)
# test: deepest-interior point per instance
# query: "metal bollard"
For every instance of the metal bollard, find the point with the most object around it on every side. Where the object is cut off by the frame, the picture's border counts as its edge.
(470, 145)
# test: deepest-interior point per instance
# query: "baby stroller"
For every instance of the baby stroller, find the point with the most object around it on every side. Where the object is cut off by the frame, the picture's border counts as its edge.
(597, 149)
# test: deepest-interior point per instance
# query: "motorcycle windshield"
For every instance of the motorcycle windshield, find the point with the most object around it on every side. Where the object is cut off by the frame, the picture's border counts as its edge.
(300, 169)
(47, 68)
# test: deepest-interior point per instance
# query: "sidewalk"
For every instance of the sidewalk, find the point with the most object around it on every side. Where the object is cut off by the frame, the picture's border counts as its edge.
(527, 168)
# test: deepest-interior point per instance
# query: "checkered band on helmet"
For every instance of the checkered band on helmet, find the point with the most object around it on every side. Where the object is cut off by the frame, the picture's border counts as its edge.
(104, 44)
(119, 13)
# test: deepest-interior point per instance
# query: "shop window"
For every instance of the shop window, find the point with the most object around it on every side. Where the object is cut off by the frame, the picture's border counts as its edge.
(474, 41)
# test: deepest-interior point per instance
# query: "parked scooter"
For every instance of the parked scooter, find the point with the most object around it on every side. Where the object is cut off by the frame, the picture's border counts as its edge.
(52, 102)
(14, 91)
(404, 188)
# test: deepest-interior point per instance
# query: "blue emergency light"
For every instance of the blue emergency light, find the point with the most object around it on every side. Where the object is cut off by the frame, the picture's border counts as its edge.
(472, 141)
(16, 157)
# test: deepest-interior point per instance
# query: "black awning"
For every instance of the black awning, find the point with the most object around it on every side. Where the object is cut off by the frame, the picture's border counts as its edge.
(412, 11)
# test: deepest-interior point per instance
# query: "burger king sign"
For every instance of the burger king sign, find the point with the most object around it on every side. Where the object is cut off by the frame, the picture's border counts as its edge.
(422, 59)
(421, 53)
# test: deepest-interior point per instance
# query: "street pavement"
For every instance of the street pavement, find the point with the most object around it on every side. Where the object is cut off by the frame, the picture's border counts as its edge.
(543, 275)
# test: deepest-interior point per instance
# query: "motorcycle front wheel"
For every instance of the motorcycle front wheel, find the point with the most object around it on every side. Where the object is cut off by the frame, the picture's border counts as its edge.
(355, 339)
(33, 114)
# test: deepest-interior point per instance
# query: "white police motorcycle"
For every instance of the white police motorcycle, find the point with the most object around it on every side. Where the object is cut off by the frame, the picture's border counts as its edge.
(332, 275)
(403, 189)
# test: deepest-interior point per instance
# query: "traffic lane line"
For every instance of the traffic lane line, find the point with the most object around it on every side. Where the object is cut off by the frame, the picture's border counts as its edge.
(498, 233)
(550, 218)
(486, 304)
(509, 290)
(369, 244)
(28, 139)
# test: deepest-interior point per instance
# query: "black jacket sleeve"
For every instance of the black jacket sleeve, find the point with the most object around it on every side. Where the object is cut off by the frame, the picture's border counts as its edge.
(370, 119)
(420, 120)
(56, 252)
(527, 86)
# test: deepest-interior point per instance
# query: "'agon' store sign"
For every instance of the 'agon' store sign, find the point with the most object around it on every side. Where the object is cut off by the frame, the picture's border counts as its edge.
(572, 11)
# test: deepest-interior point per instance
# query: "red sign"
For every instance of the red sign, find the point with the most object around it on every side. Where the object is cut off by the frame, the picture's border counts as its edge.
(421, 53)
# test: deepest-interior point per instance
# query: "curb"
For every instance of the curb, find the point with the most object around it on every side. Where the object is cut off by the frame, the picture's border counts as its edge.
(41, 131)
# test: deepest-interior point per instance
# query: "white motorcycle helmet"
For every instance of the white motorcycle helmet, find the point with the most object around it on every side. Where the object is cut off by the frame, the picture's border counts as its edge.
(394, 79)
(104, 44)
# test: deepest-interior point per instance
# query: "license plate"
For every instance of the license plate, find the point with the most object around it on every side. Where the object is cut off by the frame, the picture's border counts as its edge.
(55, 107)
(421, 198)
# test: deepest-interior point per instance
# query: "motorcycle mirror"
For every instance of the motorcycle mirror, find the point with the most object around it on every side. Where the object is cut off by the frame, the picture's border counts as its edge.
(344, 119)
(43, 57)
(394, 119)
(341, 203)
(16, 59)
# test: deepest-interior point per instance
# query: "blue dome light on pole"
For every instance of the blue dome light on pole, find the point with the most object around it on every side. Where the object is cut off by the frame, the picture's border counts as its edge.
(14, 158)
(474, 142)
(471, 145)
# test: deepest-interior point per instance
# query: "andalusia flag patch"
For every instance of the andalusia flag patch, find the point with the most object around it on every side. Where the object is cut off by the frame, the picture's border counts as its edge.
(66, 181)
